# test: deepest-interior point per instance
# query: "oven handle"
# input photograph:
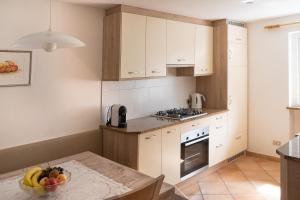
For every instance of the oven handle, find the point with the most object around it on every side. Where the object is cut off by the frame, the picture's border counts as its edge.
(195, 141)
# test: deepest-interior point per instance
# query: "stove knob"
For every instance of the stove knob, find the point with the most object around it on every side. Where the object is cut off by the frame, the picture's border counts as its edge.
(187, 138)
(198, 134)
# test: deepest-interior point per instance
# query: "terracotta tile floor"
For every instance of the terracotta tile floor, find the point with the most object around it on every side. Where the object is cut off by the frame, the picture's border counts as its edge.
(247, 178)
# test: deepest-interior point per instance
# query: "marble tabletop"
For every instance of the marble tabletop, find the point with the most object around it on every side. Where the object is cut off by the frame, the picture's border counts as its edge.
(290, 150)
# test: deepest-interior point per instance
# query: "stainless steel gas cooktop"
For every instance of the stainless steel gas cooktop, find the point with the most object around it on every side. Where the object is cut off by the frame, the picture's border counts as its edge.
(179, 114)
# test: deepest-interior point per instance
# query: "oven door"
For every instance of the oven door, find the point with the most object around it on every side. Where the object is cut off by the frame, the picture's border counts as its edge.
(194, 155)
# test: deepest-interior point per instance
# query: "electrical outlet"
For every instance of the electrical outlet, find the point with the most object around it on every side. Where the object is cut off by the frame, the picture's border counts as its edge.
(276, 143)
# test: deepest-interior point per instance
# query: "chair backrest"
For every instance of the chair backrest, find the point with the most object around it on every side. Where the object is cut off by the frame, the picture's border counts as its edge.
(149, 191)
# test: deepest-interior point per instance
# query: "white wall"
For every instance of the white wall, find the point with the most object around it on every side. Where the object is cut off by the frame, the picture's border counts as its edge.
(268, 85)
(145, 97)
(64, 97)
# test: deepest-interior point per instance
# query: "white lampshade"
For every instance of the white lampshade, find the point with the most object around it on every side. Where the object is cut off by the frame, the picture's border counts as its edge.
(48, 40)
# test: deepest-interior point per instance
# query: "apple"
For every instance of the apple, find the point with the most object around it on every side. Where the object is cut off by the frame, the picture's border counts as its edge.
(61, 178)
(44, 181)
(52, 184)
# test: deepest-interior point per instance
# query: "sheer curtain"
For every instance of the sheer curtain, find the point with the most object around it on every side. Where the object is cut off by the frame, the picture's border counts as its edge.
(294, 69)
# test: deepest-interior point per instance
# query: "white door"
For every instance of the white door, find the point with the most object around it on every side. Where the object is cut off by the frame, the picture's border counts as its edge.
(203, 50)
(180, 43)
(171, 154)
(133, 46)
(150, 153)
(156, 47)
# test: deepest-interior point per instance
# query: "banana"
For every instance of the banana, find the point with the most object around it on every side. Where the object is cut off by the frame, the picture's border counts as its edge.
(29, 174)
(34, 179)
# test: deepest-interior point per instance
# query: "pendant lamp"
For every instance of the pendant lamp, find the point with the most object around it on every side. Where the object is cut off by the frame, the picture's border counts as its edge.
(48, 40)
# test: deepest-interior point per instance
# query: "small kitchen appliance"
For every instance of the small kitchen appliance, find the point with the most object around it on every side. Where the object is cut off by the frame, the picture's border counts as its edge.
(196, 101)
(116, 116)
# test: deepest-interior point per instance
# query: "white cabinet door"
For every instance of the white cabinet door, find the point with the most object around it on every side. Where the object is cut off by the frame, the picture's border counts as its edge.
(203, 50)
(237, 34)
(237, 54)
(156, 47)
(171, 154)
(133, 46)
(180, 43)
(235, 100)
(237, 105)
(149, 158)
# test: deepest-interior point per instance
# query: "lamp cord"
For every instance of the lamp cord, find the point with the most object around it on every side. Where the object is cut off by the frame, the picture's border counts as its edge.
(50, 25)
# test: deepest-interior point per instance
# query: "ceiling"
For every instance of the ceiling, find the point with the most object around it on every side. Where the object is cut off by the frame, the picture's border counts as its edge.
(210, 9)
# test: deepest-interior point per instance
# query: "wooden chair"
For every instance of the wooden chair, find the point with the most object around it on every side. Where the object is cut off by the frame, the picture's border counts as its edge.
(149, 191)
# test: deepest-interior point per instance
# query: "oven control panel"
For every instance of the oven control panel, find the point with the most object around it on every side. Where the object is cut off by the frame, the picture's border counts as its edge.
(195, 134)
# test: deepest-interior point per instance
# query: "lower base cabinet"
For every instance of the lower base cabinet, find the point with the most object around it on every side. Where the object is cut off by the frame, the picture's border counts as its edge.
(159, 153)
(149, 153)
(171, 151)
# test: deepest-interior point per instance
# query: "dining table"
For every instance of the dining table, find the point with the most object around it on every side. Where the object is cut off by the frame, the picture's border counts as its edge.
(87, 166)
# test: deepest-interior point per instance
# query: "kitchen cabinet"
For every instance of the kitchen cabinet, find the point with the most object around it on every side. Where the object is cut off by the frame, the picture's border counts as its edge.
(227, 87)
(237, 88)
(203, 50)
(156, 47)
(180, 43)
(237, 34)
(237, 54)
(140, 44)
(171, 154)
(149, 153)
(133, 46)
(218, 141)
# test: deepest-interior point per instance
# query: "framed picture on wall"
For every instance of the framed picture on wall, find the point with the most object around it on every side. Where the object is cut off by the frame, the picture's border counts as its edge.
(15, 68)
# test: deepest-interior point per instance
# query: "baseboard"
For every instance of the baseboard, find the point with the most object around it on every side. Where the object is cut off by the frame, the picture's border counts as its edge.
(31, 154)
(258, 155)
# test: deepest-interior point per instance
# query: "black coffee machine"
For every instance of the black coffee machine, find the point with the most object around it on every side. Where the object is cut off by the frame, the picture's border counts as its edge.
(116, 116)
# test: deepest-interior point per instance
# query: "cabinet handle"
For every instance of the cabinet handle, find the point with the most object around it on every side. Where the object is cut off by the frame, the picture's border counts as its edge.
(155, 72)
(230, 54)
(239, 39)
(219, 127)
(179, 60)
(238, 138)
(218, 118)
(205, 69)
(193, 125)
(133, 72)
(147, 138)
(230, 100)
(219, 146)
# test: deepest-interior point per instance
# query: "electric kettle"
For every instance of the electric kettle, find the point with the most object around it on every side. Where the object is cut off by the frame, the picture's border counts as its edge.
(196, 101)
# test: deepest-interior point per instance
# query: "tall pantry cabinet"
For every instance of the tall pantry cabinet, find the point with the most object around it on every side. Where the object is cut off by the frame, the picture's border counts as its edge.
(227, 87)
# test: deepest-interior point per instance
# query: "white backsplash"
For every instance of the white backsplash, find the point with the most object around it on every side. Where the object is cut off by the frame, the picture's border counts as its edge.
(145, 97)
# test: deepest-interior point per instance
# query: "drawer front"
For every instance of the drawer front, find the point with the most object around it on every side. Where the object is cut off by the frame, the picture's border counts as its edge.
(237, 143)
(189, 126)
(217, 149)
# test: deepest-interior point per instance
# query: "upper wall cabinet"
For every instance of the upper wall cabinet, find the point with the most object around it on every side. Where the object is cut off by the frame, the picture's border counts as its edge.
(156, 47)
(140, 43)
(180, 43)
(133, 46)
(203, 50)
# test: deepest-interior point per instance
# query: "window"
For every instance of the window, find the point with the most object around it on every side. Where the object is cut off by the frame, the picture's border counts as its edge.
(294, 69)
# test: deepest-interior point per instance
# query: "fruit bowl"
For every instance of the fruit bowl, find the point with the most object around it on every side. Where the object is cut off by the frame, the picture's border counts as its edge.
(46, 186)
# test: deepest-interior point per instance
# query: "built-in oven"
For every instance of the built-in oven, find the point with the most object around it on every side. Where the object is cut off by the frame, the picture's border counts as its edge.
(194, 151)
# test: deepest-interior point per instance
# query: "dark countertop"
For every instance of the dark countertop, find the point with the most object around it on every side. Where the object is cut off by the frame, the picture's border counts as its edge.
(290, 150)
(146, 124)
